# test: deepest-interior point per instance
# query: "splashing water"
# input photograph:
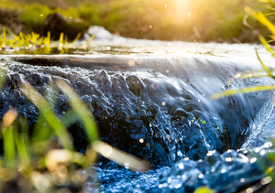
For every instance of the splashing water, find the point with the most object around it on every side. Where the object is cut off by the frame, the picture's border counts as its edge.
(157, 107)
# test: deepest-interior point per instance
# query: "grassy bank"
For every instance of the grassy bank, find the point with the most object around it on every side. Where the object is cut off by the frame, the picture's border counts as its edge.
(200, 20)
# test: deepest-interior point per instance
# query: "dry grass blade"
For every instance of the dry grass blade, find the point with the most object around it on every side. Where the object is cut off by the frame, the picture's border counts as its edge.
(41, 103)
(120, 157)
(242, 90)
(80, 109)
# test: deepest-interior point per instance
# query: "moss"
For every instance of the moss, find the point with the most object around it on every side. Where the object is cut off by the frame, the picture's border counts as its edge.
(204, 20)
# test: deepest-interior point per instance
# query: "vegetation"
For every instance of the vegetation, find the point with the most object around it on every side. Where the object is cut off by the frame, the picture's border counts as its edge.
(199, 20)
(265, 72)
(46, 160)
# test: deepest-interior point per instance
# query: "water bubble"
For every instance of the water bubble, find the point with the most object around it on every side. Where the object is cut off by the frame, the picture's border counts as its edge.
(223, 171)
(201, 176)
(141, 140)
(167, 71)
(242, 180)
(163, 103)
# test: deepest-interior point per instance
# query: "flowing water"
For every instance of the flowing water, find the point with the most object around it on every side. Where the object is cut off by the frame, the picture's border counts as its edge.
(152, 99)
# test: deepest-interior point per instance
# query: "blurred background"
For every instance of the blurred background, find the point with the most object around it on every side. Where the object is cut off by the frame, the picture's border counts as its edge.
(184, 20)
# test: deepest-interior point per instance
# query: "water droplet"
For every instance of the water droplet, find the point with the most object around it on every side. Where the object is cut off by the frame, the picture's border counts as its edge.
(228, 159)
(163, 103)
(167, 71)
(181, 166)
(242, 180)
(252, 160)
(201, 176)
(126, 165)
(141, 140)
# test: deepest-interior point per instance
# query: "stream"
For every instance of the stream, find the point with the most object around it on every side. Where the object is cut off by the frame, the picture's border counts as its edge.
(152, 99)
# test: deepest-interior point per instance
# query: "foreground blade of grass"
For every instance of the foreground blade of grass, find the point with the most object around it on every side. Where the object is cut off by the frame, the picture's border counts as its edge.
(76, 38)
(3, 77)
(88, 43)
(267, 46)
(100, 147)
(120, 157)
(262, 19)
(8, 136)
(242, 90)
(80, 109)
(22, 141)
(264, 66)
(41, 103)
(249, 74)
(4, 37)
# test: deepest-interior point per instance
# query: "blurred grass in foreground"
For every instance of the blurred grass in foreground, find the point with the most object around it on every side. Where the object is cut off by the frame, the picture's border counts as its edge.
(46, 161)
(266, 71)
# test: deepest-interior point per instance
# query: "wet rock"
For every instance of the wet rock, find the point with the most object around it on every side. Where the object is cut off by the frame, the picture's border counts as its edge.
(57, 23)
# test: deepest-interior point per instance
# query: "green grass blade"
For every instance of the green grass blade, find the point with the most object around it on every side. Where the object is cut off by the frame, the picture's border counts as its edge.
(4, 37)
(22, 143)
(242, 90)
(269, 7)
(61, 39)
(266, 69)
(8, 136)
(267, 46)
(80, 109)
(76, 38)
(262, 19)
(9, 145)
(41, 103)
(88, 43)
